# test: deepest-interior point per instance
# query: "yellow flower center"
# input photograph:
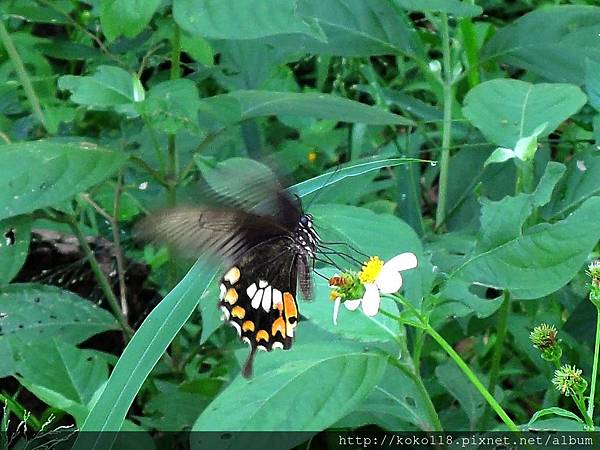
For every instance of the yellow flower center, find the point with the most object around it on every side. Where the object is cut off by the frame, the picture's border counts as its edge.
(312, 156)
(370, 270)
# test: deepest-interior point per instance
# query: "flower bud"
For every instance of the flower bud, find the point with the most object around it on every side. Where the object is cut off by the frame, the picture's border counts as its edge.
(568, 380)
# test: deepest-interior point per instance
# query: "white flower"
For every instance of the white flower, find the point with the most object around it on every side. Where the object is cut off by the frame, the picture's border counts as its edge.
(379, 278)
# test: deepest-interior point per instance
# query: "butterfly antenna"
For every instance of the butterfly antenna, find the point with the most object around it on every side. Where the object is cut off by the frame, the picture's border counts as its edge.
(323, 188)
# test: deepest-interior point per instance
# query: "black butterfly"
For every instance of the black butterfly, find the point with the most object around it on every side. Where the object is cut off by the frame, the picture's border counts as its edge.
(266, 240)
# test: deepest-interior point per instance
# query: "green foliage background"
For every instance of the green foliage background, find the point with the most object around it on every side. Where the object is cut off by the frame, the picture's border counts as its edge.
(111, 108)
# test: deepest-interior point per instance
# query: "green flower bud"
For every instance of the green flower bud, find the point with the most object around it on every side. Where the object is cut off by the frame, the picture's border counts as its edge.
(594, 273)
(544, 338)
(568, 380)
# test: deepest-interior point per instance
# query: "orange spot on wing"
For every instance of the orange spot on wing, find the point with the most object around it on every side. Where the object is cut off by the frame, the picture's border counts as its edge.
(278, 326)
(238, 312)
(262, 335)
(231, 296)
(291, 313)
(248, 325)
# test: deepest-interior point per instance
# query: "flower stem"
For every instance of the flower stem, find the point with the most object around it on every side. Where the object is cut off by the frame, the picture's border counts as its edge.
(473, 378)
(590, 408)
(460, 363)
(578, 399)
(440, 214)
(498, 346)
(22, 73)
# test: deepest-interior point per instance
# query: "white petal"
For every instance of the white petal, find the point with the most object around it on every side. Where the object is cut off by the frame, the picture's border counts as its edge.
(371, 299)
(403, 261)
(389, 281)
(336, 309)
(352, 304)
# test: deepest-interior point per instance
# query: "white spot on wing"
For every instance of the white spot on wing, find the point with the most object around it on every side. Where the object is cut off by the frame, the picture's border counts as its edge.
(225, 313)
(262, 284)
(237, 327)
(277, 297)
(277, 344)
(266, 300)
(262, 348)
(223, 291)
(257, 299)
(251, 290)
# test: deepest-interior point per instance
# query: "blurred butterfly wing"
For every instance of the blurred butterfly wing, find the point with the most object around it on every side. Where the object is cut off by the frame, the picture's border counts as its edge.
(201, 231)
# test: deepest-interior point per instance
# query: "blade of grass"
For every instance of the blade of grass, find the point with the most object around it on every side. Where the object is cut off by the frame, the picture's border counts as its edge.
(140, 356)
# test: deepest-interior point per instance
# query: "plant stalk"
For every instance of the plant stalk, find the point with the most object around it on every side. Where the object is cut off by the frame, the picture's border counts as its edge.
(101, 278)
(440, 214)
(498, 346)
(22, 74)
(591, 400)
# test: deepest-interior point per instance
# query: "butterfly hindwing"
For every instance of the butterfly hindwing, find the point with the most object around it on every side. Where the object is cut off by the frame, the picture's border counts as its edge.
(258, 297)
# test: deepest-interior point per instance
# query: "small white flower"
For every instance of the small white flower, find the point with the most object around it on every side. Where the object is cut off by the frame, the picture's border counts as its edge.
(379, 278)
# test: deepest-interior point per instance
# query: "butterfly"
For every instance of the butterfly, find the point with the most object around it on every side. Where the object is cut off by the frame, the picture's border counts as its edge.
(266, 241)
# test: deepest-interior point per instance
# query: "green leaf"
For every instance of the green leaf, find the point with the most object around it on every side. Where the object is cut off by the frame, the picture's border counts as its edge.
(109, 86)
(172, 105)
(15, 234)
(357, 28)
(454, 7)
(554, 411)
(243, 105)
(555, 52)
(508, 110)
(61, 375)
(43, 173)
(141, 354)
(34, 311)
(241, 19)
(125, 16)
(396, 399)
(352, 169)
(339, 381)
(592, 82)
(455, 381)
(541, 260)
(582, 180)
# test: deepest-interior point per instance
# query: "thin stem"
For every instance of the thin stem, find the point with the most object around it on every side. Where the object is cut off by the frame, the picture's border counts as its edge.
(472, 378)
(22, 74)
(116, 232)
(440, 214)
(578, 399)
(591, 400)
(156, 175)
(470, 43)
(460, 363)
(101, 278)
(20, 412)
(498, 346)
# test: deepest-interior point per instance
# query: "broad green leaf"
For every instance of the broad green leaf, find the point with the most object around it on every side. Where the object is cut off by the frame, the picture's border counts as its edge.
(592, 82)
(141, 354)
(541, 260)
(35, 311)
(581, 181)
(15, 234)
(61, 375)
(554, 411)
(454, 7)
(172, 105)
(508, 110)
(109, 86)
(43, 173)
(557, 424)
(241, 19)
(398, 398)
(556, 52)
(242, 105)
(503, 220)
(126, 17)
(357, 28)
(339, 381)
(173, 410)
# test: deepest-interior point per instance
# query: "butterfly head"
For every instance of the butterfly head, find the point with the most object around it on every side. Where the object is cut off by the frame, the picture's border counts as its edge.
(306, 235)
